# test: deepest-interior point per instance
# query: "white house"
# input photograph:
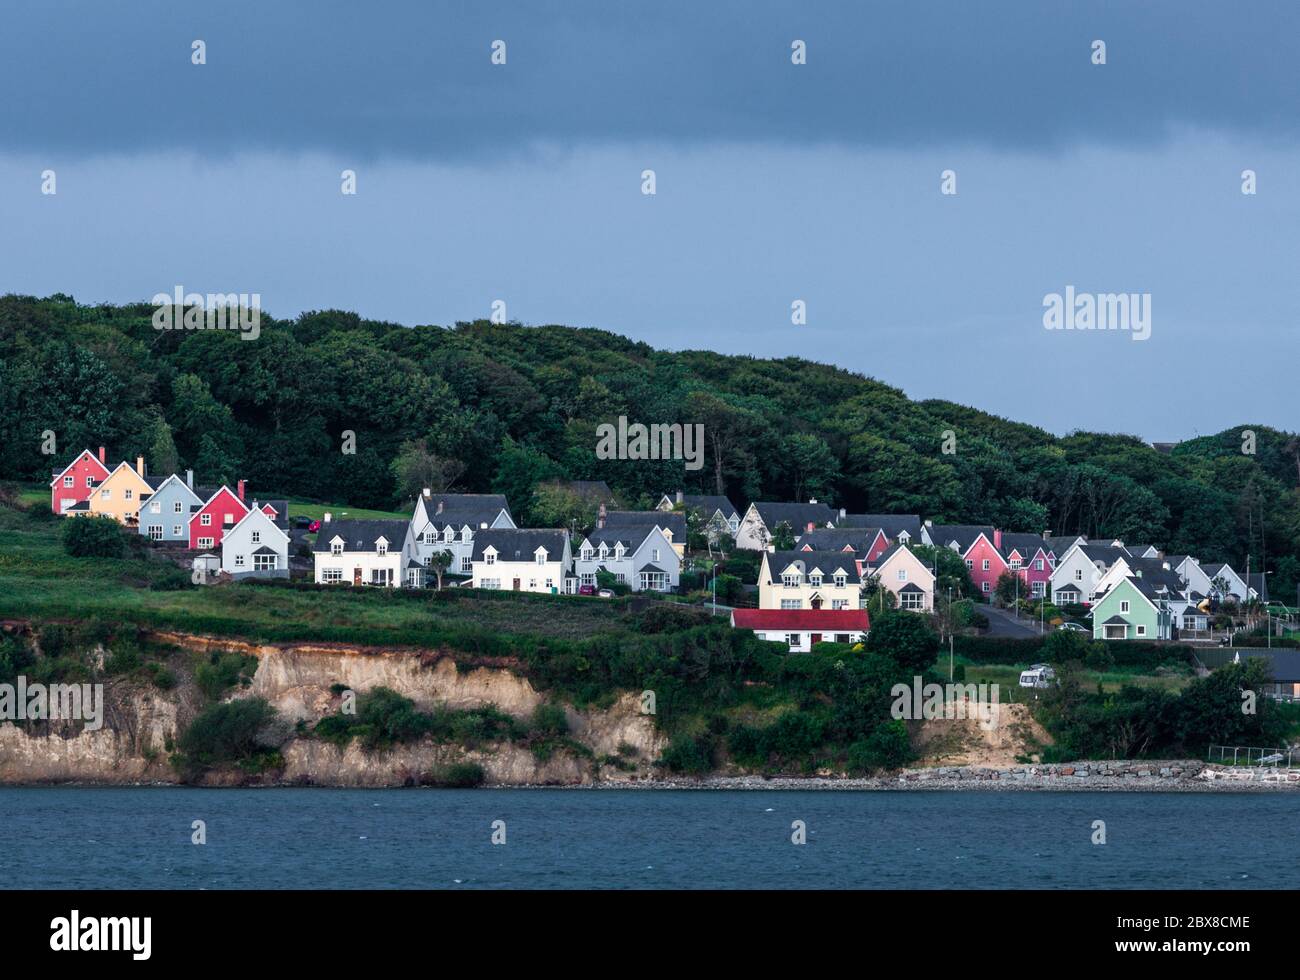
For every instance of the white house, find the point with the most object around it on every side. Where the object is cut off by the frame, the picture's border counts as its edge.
(521, 560)
(365, 552)
(1192, 573)
(256, 547)
(764, 518)
(672, 524)
(717, 515)
(801, 629)
(640, 555)
(1224, 582)
(1079, 571)
(449, 521)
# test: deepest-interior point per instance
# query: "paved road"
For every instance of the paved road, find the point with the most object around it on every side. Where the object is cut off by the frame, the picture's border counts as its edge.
(1003, 623)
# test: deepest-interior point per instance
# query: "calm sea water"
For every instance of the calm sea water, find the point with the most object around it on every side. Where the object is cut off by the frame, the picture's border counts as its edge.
(319, 838)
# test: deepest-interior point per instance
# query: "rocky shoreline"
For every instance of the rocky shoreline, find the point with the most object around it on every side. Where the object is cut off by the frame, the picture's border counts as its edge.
(1167, 776)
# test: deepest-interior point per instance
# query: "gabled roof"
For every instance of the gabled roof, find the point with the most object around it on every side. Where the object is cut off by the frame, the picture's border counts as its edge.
(1061, 543)
(857, 539)
(965, 535)
(177, 480)
(254, 514)
(521, 544)
(892, 524)
(1104, 553)
(798, 516)
(707, 504)
(829, 562)
(460, 510)
(361, 535)
(281, 508)
(130, 468)
(1153, 571)
(820, 620)
(195, 511)
(632, 536)
(1259, 582)
(1116, 621)
(673, 523)
(1027, 545)
(76, 459)
(883, 558)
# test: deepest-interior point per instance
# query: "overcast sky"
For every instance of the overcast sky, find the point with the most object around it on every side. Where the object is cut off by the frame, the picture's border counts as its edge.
(775, 182)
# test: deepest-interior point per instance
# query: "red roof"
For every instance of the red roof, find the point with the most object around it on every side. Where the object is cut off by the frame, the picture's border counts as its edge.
(819, 620)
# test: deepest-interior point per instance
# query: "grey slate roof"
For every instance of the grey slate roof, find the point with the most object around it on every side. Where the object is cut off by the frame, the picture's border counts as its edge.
(707, 504)
(676, 523)
(1259, 582)
(798, 516)
(891, 524)
(464, 509)
(1104, 553)
(829, 562)
(964, 534)
(631, 535)
(1027, 544)
(859, 539)
(360, 535)
(1153, 571)
(521, 544)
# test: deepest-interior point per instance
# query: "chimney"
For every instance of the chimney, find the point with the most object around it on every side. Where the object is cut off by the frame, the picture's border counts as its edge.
(929, 523)
(600, 517)
(326, 518)
(812, 500)
(240, 488)
(680, 498)
(428, 492)
(189, 479)
(997, 538)
(811, 525)
(843, 513)
(1047, 534)
(102, 456)
(139, 465)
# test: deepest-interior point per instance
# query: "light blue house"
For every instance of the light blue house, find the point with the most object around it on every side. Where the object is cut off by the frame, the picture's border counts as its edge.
(165, 514)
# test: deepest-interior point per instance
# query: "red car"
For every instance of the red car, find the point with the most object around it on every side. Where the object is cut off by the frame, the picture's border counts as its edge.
(313, 527)
(586, 590)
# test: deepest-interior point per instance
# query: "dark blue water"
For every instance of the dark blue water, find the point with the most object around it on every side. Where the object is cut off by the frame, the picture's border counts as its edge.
(318, 838)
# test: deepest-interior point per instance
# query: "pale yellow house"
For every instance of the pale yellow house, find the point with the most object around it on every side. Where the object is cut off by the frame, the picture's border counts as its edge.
(907, 577)
(121, 494)
(809, 580)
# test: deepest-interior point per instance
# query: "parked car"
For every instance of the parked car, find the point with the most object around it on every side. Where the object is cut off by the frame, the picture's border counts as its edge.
(313, 527)
(586, 590)
(1038, 675)
(606, 593)
(1072, 628)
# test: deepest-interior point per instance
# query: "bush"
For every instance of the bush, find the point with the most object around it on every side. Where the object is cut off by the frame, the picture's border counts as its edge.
(225, 734)
(550, 719)
(223, 671)
(92, 537)
(460, 775)
(688, 754)
(888, 747)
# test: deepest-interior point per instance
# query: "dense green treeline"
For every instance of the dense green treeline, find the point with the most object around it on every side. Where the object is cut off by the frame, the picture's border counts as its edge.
(501, 407)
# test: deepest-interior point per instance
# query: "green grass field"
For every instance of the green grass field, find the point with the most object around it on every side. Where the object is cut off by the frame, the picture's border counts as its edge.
(1007, 677)
(39, 581)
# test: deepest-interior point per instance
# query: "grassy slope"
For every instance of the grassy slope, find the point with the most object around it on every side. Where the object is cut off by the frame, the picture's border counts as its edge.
(38, 580)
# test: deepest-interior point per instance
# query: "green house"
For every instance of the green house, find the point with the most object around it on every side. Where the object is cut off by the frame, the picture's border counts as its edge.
(1132, 610)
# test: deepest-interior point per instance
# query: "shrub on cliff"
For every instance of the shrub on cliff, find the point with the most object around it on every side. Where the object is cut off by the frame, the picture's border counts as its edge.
(92, 537)
(222, 671)
(234, 733)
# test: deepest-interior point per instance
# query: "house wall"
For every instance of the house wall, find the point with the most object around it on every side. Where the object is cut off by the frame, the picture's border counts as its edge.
(1141, 613)
(1030, 575)
(532, 576)
(917, 574)
(238, 542)
(985, 580)
(752, 534)
(367, 561)
(86, 465)
(1076, 560)
(226, 510)
(116, 504)
(175, 526)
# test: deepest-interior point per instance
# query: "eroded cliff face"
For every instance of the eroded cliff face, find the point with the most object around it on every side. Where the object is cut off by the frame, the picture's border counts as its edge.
(141, 724)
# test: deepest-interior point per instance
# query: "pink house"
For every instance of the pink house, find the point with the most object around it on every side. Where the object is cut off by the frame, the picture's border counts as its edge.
(73, 484)
(1032, 558)
(979, 544)
(222, 511)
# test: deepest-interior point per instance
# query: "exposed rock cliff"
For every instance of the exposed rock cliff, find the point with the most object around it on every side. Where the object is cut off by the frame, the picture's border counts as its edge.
(141, 723)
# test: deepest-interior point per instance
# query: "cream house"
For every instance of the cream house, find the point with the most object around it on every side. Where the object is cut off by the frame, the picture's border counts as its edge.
(121, 494)
(521, 559)
(901, 572)
(809, 580)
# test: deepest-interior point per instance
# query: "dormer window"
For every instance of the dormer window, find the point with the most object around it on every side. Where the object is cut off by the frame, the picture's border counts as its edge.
(790, 579)
(489, 557)
(541, 556)
(619, 550)
(815, 579)
(586, 553)
(448, 533)
(841, 580)
(381, 547)
(466, 534)
(604, 550)
(336, 547)
(428, 536)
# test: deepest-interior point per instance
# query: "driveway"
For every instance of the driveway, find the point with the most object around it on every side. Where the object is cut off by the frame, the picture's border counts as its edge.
(1002, 622)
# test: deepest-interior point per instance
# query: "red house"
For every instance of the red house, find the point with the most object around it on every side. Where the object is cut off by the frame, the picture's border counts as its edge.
(73, 484)
(223, 510)
(1032, 558)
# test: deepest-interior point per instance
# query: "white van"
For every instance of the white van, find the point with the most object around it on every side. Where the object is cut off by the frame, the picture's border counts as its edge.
(1039, 675)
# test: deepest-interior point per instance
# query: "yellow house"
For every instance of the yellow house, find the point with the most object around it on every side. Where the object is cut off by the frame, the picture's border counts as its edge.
(809, 580)
(121, 494)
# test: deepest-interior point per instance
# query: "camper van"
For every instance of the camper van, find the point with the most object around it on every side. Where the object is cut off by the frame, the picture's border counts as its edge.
(1039, 675)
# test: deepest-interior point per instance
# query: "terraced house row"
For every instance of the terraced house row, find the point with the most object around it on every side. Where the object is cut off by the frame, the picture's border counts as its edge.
(815, 559)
